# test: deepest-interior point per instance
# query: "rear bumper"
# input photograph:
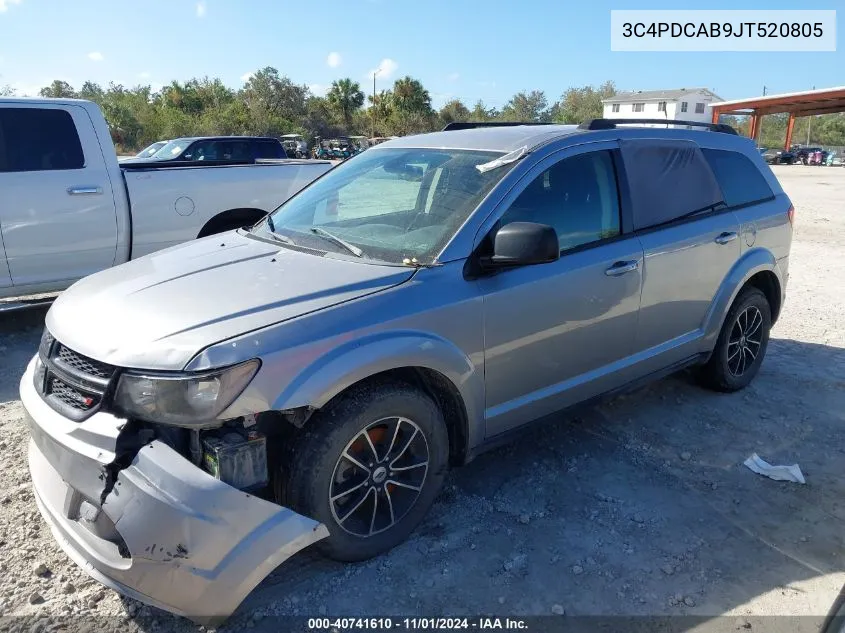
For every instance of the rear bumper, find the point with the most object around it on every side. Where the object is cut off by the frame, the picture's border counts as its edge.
(168, 534)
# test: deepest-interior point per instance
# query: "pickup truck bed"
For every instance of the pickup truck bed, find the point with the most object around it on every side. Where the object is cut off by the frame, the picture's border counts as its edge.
(176, 199)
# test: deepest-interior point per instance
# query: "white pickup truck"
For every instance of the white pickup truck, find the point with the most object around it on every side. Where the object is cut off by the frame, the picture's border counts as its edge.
(67, 209)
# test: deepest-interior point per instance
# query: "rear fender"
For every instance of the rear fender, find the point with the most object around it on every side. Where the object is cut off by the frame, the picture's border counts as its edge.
(360, 359)
(752, 262)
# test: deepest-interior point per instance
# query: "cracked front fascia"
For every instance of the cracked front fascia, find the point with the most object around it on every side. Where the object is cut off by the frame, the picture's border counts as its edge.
(228, 515)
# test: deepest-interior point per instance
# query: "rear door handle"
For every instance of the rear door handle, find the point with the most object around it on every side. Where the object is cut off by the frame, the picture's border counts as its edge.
(84, 191)
(726, 237)
(620, 268)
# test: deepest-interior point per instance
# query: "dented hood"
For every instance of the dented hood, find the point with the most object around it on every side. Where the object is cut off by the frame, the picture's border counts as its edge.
(158, 311)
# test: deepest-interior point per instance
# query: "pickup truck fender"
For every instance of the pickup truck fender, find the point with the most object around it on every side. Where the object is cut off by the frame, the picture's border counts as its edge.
(316, 384)
(754, 261)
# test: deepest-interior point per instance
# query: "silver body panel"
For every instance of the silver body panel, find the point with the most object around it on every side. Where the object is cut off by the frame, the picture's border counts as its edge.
(515, 345)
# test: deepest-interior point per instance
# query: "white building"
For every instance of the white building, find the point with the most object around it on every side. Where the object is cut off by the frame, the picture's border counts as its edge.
(684, 104)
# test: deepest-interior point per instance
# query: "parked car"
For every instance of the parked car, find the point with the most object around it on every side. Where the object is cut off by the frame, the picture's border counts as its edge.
(235, 149)
(416, 305)
(69, 209)
(804, 154)
(777, 157)
(151, 149)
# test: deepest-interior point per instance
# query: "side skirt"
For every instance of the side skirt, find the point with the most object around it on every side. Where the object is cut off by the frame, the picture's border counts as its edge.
(509, 436)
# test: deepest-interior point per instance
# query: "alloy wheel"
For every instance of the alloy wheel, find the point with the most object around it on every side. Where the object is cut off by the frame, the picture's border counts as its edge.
(379, 476)
(745, 340)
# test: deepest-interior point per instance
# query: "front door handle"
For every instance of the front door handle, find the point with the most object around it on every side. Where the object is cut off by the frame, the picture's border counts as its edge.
(84, 191)
(620, 268)
(726, 237)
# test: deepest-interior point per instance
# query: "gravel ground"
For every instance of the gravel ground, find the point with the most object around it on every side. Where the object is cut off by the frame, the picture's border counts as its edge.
(639, 506)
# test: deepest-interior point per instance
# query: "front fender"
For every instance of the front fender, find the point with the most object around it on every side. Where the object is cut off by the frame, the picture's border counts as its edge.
(752, 262)
(315, 385)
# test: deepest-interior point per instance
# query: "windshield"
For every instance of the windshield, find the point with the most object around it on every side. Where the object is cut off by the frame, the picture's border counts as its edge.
(150, 150)
(171, 150)
(393, 205)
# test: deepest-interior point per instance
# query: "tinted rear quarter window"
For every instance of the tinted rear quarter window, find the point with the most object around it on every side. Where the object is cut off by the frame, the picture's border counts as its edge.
(35, 139)
(269, 149)
(741, 181)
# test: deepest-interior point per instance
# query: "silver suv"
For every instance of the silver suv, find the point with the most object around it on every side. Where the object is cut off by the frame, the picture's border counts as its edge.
(200, 414)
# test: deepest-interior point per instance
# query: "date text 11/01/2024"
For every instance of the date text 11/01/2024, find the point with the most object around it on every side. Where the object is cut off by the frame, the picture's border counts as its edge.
(426, 624)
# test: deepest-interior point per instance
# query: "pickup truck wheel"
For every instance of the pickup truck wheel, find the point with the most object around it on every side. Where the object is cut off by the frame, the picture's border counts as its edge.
(368, 467)
(741, 345)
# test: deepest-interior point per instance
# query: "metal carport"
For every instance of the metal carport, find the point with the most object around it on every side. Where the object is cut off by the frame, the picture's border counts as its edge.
(807, 103)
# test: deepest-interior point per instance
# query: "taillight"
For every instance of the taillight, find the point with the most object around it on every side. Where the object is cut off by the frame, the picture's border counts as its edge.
(791, 215)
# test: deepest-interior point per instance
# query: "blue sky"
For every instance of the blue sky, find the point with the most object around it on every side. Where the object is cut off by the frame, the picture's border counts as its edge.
(463, 48)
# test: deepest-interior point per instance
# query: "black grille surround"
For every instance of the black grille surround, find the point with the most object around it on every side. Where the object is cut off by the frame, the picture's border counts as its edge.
(72, 384)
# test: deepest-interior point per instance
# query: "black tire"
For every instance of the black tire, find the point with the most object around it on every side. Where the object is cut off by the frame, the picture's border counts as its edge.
(731, 367)
(314, 465)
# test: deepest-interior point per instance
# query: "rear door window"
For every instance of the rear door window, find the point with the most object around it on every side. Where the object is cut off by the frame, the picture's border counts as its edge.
(740, 180)
(39, 139)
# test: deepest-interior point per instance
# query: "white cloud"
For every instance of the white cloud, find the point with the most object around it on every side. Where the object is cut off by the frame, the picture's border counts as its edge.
(319, 90)
(144, 75)
(454, 76)
(246, 77)
(386, 69)
(201, 9)
(333, 60)
(96, 56)
(5, 4)
(487, 84)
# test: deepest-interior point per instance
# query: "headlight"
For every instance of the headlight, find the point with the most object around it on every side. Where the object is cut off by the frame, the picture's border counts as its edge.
(189, 400)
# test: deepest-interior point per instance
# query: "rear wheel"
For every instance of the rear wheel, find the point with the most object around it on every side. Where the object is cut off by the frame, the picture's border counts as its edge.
(369, 467)
(741, 345)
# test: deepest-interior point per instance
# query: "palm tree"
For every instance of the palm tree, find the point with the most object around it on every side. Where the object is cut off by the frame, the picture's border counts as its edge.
(410, 96)
(345, 97)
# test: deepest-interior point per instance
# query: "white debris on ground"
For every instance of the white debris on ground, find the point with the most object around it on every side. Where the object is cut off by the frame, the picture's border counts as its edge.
(638, 506)
(778, 473)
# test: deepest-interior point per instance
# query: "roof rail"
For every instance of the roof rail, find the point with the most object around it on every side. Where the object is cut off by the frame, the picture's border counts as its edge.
(610, 124)
(470, 125)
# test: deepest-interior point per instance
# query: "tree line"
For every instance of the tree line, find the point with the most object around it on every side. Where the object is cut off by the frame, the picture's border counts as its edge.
(272, 104)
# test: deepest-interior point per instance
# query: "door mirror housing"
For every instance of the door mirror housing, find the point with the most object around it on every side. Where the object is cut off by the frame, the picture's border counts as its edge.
(523, 244)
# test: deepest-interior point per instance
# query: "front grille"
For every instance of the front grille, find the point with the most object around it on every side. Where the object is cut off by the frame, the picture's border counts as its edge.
(82, 364)
(70, 396)
(72, 384)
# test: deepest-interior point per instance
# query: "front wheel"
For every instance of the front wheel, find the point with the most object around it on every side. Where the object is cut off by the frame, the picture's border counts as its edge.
(741, 345)
(368, 466)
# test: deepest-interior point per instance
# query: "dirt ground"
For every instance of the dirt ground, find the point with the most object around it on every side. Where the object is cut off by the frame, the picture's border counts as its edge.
(640, 506)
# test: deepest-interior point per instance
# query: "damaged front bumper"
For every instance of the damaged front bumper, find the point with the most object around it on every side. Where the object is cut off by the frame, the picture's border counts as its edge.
(166, 533)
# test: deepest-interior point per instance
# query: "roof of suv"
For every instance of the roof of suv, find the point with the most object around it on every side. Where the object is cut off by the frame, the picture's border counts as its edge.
(511, 137)
(191, 139)
(498, 139)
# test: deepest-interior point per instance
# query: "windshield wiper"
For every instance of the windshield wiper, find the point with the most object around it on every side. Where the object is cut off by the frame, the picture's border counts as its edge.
(339, 241)
(282, 238)
(277, 236)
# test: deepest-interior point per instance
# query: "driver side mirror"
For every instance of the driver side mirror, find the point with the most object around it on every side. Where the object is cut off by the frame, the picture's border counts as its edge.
(523, 244)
